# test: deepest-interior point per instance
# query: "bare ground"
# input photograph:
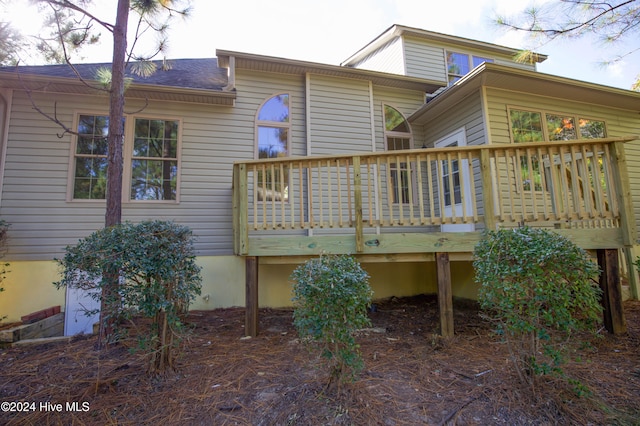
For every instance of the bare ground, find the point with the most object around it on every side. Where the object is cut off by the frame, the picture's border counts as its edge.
(412, 376)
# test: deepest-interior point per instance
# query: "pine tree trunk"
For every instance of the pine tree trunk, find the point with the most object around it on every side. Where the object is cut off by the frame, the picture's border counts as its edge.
(113, 213)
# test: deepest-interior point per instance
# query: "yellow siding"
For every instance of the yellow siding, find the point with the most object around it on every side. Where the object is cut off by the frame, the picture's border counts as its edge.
(386, 279)
(29, 286)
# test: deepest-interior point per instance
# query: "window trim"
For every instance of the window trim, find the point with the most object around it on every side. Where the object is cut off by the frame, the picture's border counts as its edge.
(273, 125)
(520, 185)
(127, 157)
(543, 114)
(129, 132)
(394, 134)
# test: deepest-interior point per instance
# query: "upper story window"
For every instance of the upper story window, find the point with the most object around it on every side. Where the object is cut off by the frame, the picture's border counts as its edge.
(150, 154)
(535, 126)
(459, 64)
(273, 135)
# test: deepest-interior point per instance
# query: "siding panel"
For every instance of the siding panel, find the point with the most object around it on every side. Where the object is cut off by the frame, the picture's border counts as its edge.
(36, 169)
(388, 58)
(619, 123)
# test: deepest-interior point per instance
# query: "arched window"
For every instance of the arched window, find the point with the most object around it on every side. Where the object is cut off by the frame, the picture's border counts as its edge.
(273, 135)
(398, 136)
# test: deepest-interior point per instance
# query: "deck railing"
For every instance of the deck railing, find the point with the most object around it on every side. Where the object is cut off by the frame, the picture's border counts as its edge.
(558, 184)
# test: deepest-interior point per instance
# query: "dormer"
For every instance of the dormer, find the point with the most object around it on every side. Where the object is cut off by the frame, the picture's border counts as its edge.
(425, 54)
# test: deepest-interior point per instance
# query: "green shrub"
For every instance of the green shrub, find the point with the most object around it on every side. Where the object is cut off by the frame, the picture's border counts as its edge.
(331, 296)
(538, 287)
(637, 264)
(155, 261)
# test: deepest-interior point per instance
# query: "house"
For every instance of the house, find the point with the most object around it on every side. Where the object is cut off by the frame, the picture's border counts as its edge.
(401, 155)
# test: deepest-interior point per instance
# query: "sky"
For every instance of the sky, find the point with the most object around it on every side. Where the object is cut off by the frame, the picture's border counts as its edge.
(329, 31)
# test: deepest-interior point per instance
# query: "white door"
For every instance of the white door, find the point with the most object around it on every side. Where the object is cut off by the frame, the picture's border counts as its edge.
(461, 182)
(76, 320)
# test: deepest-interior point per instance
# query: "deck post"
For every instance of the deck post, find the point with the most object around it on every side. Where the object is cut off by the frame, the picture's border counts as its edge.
(623, 191)
(357, 194)
(611, 292)
(241, 214)
(445, 295)
(251, 300)
(487, 191)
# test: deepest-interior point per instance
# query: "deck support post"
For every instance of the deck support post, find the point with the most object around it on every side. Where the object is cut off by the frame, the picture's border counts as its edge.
(357, 195)
(487, 191)
(611, 292)
(445, 295)
(251, 298)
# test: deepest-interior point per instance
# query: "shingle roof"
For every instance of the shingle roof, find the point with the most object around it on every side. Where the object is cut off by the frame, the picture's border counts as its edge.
(180, 73)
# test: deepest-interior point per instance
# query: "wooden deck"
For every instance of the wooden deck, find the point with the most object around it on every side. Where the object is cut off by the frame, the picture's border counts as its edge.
(433, 203)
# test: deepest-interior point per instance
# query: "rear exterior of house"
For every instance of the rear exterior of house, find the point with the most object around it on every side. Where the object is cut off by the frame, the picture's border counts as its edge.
(188, 124)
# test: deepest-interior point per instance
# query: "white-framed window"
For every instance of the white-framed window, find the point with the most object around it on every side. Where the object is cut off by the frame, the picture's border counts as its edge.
(459, 64)
(90, 158)
(273, 140)
(397, 134)
(151, 160)
(536, 126)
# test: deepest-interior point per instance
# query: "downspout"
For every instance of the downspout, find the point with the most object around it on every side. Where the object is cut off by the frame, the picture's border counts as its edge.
(307, 101)
(373, 149)
(231, 77)
(5, 114)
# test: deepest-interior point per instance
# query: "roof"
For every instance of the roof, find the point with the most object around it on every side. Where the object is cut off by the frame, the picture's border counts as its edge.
(525, 81)
(291, 66)
(400, 30)
(188, 80)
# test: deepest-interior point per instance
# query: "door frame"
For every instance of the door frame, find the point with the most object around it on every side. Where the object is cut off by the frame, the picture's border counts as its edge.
(457, 138)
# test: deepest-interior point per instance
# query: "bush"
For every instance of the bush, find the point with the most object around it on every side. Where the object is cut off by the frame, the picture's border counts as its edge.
(331, 296)
(158, 278)
(637, 264)
(538, 287)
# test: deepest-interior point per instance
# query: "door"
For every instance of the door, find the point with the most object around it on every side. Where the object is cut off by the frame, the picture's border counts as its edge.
(459, 175)
(76, 321)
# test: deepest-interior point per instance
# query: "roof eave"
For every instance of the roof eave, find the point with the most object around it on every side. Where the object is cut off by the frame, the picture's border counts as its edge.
(525, 81)
(292, 66)
(400, 30)
(46, 84)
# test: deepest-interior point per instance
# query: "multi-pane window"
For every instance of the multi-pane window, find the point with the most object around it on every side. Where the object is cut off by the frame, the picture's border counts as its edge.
(448, 175)
(526, 126)
(150, 153)
(398, 136)
(90, 158)
(459, 64)
(273, 128)
(154, 163)
(537, 126)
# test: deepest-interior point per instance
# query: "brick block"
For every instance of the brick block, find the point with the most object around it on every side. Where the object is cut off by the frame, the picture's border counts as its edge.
(40, 315)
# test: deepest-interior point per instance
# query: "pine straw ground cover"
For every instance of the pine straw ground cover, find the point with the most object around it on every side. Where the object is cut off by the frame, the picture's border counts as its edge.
(412, 376)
